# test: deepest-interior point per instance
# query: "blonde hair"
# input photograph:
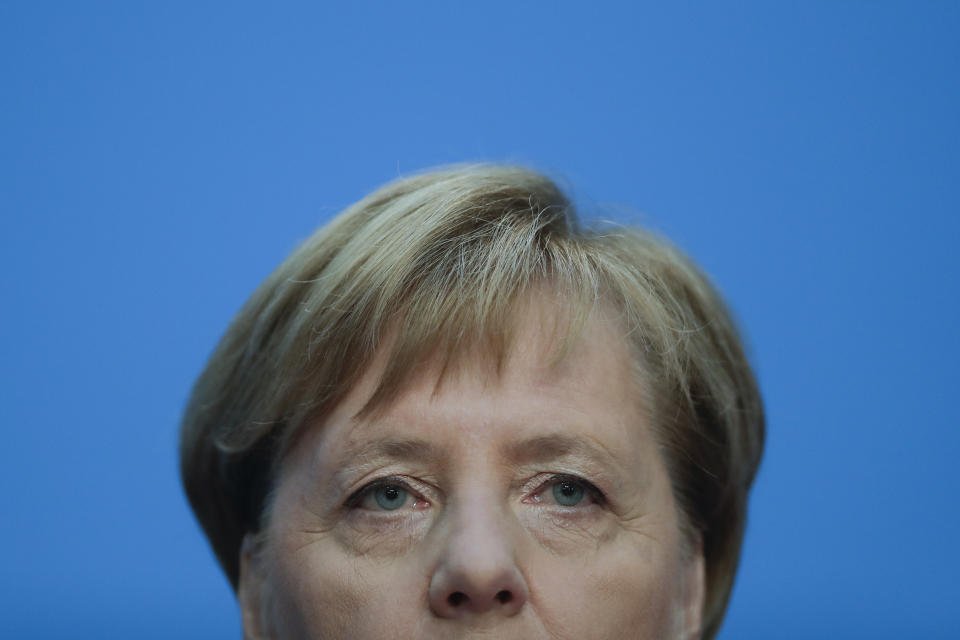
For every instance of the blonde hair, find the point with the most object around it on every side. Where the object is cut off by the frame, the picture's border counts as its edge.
(444, 258)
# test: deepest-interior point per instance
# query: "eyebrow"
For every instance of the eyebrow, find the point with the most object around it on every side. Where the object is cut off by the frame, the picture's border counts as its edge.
(367, 454)
(402, 449)
(554, 446)
(538, 449)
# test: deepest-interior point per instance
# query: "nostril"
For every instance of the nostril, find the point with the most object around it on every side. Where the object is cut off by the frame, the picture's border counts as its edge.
(466, 594)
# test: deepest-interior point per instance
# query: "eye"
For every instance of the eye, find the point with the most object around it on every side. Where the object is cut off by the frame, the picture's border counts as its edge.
(390, 496)
(386, 494)
(567, 491)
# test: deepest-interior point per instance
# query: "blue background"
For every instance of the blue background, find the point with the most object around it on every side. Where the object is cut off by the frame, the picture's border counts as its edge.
(157, 161)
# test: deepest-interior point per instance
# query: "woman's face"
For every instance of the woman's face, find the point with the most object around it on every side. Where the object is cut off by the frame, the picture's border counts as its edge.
(530, 503)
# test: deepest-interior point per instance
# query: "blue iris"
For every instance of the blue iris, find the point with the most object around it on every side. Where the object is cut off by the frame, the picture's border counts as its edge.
(390, 496)
(567, 493)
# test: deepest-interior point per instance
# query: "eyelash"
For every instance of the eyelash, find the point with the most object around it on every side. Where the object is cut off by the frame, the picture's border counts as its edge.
(590, 489)
(598, 497)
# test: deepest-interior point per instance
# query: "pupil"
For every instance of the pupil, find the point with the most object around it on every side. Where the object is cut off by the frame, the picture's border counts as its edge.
(568, 494)
(390, 497)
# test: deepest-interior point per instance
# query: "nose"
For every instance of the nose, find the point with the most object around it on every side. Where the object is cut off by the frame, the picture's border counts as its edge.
(477, 573)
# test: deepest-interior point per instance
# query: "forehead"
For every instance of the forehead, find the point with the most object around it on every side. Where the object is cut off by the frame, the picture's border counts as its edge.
(591, 398)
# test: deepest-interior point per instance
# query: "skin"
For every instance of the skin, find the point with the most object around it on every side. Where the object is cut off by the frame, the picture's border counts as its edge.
(480, 545)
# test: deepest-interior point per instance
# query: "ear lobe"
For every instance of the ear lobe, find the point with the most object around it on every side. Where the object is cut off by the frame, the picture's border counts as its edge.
(251, 590)
(694, 593)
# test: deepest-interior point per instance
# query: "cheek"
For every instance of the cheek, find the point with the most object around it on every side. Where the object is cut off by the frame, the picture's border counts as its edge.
(321, 592)
(627, 588)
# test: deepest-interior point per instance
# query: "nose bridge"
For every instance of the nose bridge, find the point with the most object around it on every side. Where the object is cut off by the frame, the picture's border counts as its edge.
(476, 572)
(480, 523)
